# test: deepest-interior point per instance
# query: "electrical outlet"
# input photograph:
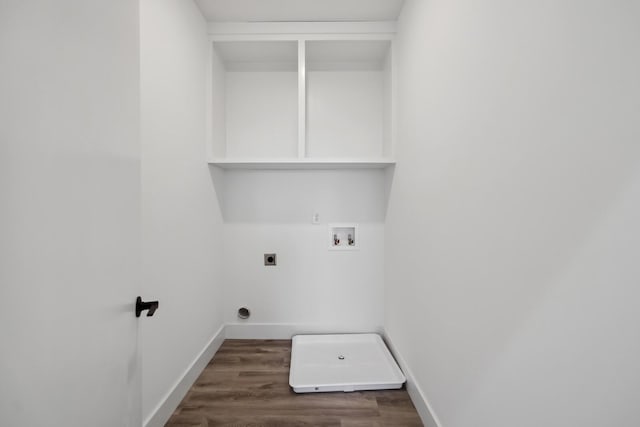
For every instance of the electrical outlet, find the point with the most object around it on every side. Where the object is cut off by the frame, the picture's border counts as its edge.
(269, 259)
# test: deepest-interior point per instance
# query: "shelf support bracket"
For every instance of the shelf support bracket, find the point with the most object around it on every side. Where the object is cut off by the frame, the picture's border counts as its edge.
(302, 99)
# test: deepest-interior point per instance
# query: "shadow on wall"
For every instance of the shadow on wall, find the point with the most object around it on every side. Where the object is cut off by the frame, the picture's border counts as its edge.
(576, 334)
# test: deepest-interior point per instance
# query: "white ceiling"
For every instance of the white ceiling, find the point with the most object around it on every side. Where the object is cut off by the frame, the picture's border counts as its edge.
(299, 10)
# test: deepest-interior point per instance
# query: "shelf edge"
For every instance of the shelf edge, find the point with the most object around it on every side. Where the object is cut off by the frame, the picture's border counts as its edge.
(302, 163)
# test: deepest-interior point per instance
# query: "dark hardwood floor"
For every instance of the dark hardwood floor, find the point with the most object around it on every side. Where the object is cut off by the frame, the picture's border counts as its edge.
(247, 384)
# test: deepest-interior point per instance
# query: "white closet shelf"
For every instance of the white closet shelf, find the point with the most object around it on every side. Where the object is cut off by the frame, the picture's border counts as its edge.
(301, 101)
(304, 163)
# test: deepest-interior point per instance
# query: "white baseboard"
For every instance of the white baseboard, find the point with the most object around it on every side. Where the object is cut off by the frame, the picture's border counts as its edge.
(427, 415)
(161, 414)
(284, 331)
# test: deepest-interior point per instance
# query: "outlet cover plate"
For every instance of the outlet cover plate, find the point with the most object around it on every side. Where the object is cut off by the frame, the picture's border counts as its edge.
(270, 259)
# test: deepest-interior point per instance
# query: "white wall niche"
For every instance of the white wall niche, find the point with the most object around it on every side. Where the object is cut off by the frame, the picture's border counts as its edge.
(346, 100)
(254, 99)
(343, 237)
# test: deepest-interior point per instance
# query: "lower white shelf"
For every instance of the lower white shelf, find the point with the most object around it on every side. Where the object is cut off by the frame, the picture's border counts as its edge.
(303, 163)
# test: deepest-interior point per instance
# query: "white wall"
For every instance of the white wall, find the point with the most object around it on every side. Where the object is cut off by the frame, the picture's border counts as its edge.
(311, 288)
(182, 231)
(512, 238)
(69, 213)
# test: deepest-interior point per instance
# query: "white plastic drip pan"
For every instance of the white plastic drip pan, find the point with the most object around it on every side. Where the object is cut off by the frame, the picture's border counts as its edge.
(346, 362)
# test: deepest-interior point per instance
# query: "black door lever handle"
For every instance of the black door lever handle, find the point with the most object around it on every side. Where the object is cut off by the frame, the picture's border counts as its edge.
(141, 306)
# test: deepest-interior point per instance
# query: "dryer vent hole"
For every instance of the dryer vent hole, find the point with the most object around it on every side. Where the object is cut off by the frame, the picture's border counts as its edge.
(244, 313)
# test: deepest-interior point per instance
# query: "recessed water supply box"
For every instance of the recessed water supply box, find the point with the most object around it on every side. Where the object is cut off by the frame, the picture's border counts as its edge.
(343, 236)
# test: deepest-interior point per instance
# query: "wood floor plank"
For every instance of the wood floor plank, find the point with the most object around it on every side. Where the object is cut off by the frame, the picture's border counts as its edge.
(247, 384)
(265, 403)
(269, 362)
(274, 421)
(213, 380)
(381, 422)
(189, 420)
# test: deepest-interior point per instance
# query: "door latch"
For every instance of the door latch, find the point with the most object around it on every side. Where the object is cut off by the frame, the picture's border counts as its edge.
(141, 306)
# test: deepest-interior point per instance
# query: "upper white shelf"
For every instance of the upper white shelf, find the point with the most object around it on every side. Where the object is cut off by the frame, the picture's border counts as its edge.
(295, 101)
(247, 163)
